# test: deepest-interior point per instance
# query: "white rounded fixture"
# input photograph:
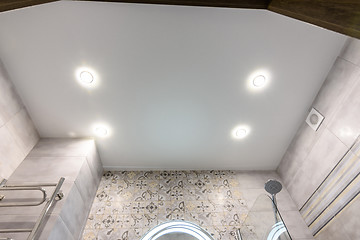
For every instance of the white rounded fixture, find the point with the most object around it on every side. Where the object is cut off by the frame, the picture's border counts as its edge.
(101, 131)
(240, 132)
(259, 81)
(314, 119)
(86, 77)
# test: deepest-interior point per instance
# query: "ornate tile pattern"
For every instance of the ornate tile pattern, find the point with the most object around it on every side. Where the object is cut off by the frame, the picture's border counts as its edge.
(130, 203)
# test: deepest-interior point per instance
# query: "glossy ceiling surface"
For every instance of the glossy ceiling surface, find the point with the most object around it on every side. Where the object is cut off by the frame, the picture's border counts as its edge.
(171, 82)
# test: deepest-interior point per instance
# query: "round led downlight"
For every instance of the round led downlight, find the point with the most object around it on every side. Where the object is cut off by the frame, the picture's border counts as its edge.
(86, 77)
(240, 132)
(259, 81)
(101, 131)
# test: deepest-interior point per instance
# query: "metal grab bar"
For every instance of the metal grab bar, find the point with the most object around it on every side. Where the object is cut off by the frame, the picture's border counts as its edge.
(57, 195)
(15, 230)
(23, 188)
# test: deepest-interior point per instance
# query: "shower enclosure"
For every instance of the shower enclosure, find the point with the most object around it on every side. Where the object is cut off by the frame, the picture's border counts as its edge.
(263, 222)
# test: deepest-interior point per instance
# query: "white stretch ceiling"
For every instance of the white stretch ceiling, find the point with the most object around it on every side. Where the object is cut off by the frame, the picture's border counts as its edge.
(172, 80)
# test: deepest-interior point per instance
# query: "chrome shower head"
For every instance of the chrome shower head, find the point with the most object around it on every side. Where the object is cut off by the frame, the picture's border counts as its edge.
(273, 186)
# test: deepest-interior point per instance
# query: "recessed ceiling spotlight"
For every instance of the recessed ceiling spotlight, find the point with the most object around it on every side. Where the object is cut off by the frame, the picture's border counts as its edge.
(101, 131)
(259, 81)
(86, 77)
(240, 132)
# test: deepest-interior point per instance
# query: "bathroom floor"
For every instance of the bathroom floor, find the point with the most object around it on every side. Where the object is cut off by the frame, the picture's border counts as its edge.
(130, 203)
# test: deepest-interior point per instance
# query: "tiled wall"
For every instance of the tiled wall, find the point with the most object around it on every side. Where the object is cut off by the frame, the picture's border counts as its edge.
(78, 162)
(312, 155)
(128, 203)
(17, 132)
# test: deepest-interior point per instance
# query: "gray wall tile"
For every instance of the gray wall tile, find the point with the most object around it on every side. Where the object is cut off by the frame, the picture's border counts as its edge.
(73, 213)
(57, 230)
(336, 87)
(20, 236)
(297, 151)
(285, 202)
(333, 231)
(17, 132)
(61, 147)
(54, 228)
(52, 147)
(10, 102)
(66, 190)
(86, 184)
(345, 124)
(23, 130)
(11, 153)
(250, 195)
(47, 169)
(17, 221)
(325, 154)
(351, 51)
(5, 171)
(9, 221)
(312, 155)
(296, 225)
(303, 238)
(52, 159)
(250, 180)
(350, 219)
(95, 163)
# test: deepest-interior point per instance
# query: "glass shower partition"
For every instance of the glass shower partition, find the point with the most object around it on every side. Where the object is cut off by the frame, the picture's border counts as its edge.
(263, 222)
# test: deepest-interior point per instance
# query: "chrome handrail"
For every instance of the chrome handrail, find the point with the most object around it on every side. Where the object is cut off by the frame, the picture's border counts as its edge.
(18, 230)
(56, 195)
(23, 188)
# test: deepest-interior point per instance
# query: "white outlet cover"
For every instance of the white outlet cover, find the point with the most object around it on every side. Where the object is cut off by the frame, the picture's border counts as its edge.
(314, 119)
